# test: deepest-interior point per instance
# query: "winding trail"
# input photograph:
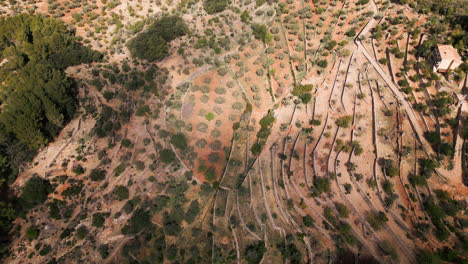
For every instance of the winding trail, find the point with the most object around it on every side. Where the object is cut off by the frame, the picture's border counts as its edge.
(401, 99)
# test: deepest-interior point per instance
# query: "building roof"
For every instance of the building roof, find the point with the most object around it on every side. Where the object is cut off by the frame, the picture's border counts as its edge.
(447, 52)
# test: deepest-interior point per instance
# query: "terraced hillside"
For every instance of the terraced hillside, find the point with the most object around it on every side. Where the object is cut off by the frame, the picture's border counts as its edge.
(238, 131)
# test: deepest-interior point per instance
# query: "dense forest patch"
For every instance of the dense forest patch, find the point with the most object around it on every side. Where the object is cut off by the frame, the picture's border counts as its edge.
(37, 98)
(153, 44)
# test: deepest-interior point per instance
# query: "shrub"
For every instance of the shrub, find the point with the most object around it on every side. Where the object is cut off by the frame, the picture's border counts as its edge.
(348, 187)
(377, 220)
(103, 251)
(322, 63)
(388, 249)
(316, 122)
(261, 33)
(427, 257)
(387, 186)
(210, 174)
(142, 110)
(192, 211)
(167, 155)
(302, 89)
(98, 220)
(256, 148)
(215, 6)
(32, 233)
(45, 250)
(392, 172)
(81, 232)
(36, 190)
(213, 157)
(308, 221)
(305, 98)
(120, 169)
(160, 203)
(403, 83)
(97, 175)
(330, 45)
(209, 116)
(351, 33)
(344, 121)
(358, 150)
(140, 165)
(427, 167)
(126, 143)
(342, 210)
(216, 145)
(171, 252)
(267, 120)
(383, 61)
(245, 17)
(417, 180)
(289, 251)
(120, 193)
(130, 205)
(171, 225)
(78, 170)
(139, 221)
(322, 185)
(73, 190)
(254, 252)
(179, 141)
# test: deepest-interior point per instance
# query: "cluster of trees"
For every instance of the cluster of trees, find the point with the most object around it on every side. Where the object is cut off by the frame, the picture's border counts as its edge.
(442, 102)
(148, 243)
(438, 209)
(214, 42)
(388, 167)
(262, 135)
(438, 144)
(451, 11)
(377, 219)
(261, 32)
(345, 234)
(289, 251)
(303, 92)
(37, 99)
(253, 253)
(344, 121)
(321, 185)
(426, 169)
(215, 6)
(153, 44)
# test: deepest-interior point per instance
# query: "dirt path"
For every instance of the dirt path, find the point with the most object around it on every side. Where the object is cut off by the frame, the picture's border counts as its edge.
(401, 99)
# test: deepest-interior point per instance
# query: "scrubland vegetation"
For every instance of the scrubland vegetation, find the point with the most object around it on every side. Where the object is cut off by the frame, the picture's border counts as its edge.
(231, 132)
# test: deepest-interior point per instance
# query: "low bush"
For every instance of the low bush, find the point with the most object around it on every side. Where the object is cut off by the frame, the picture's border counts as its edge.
(120, 193)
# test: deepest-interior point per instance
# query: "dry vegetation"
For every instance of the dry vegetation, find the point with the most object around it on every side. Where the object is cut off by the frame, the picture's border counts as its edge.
(302, 130)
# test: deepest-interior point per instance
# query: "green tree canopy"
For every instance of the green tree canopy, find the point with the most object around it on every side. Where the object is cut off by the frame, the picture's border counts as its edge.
(215, 6)
(36, 190)
(153, 44)
(36, 98)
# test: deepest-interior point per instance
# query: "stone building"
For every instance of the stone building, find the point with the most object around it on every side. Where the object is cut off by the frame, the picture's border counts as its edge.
(445, 58)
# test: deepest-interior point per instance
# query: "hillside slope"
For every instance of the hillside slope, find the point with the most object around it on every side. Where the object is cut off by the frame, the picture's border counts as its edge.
(252, 131)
